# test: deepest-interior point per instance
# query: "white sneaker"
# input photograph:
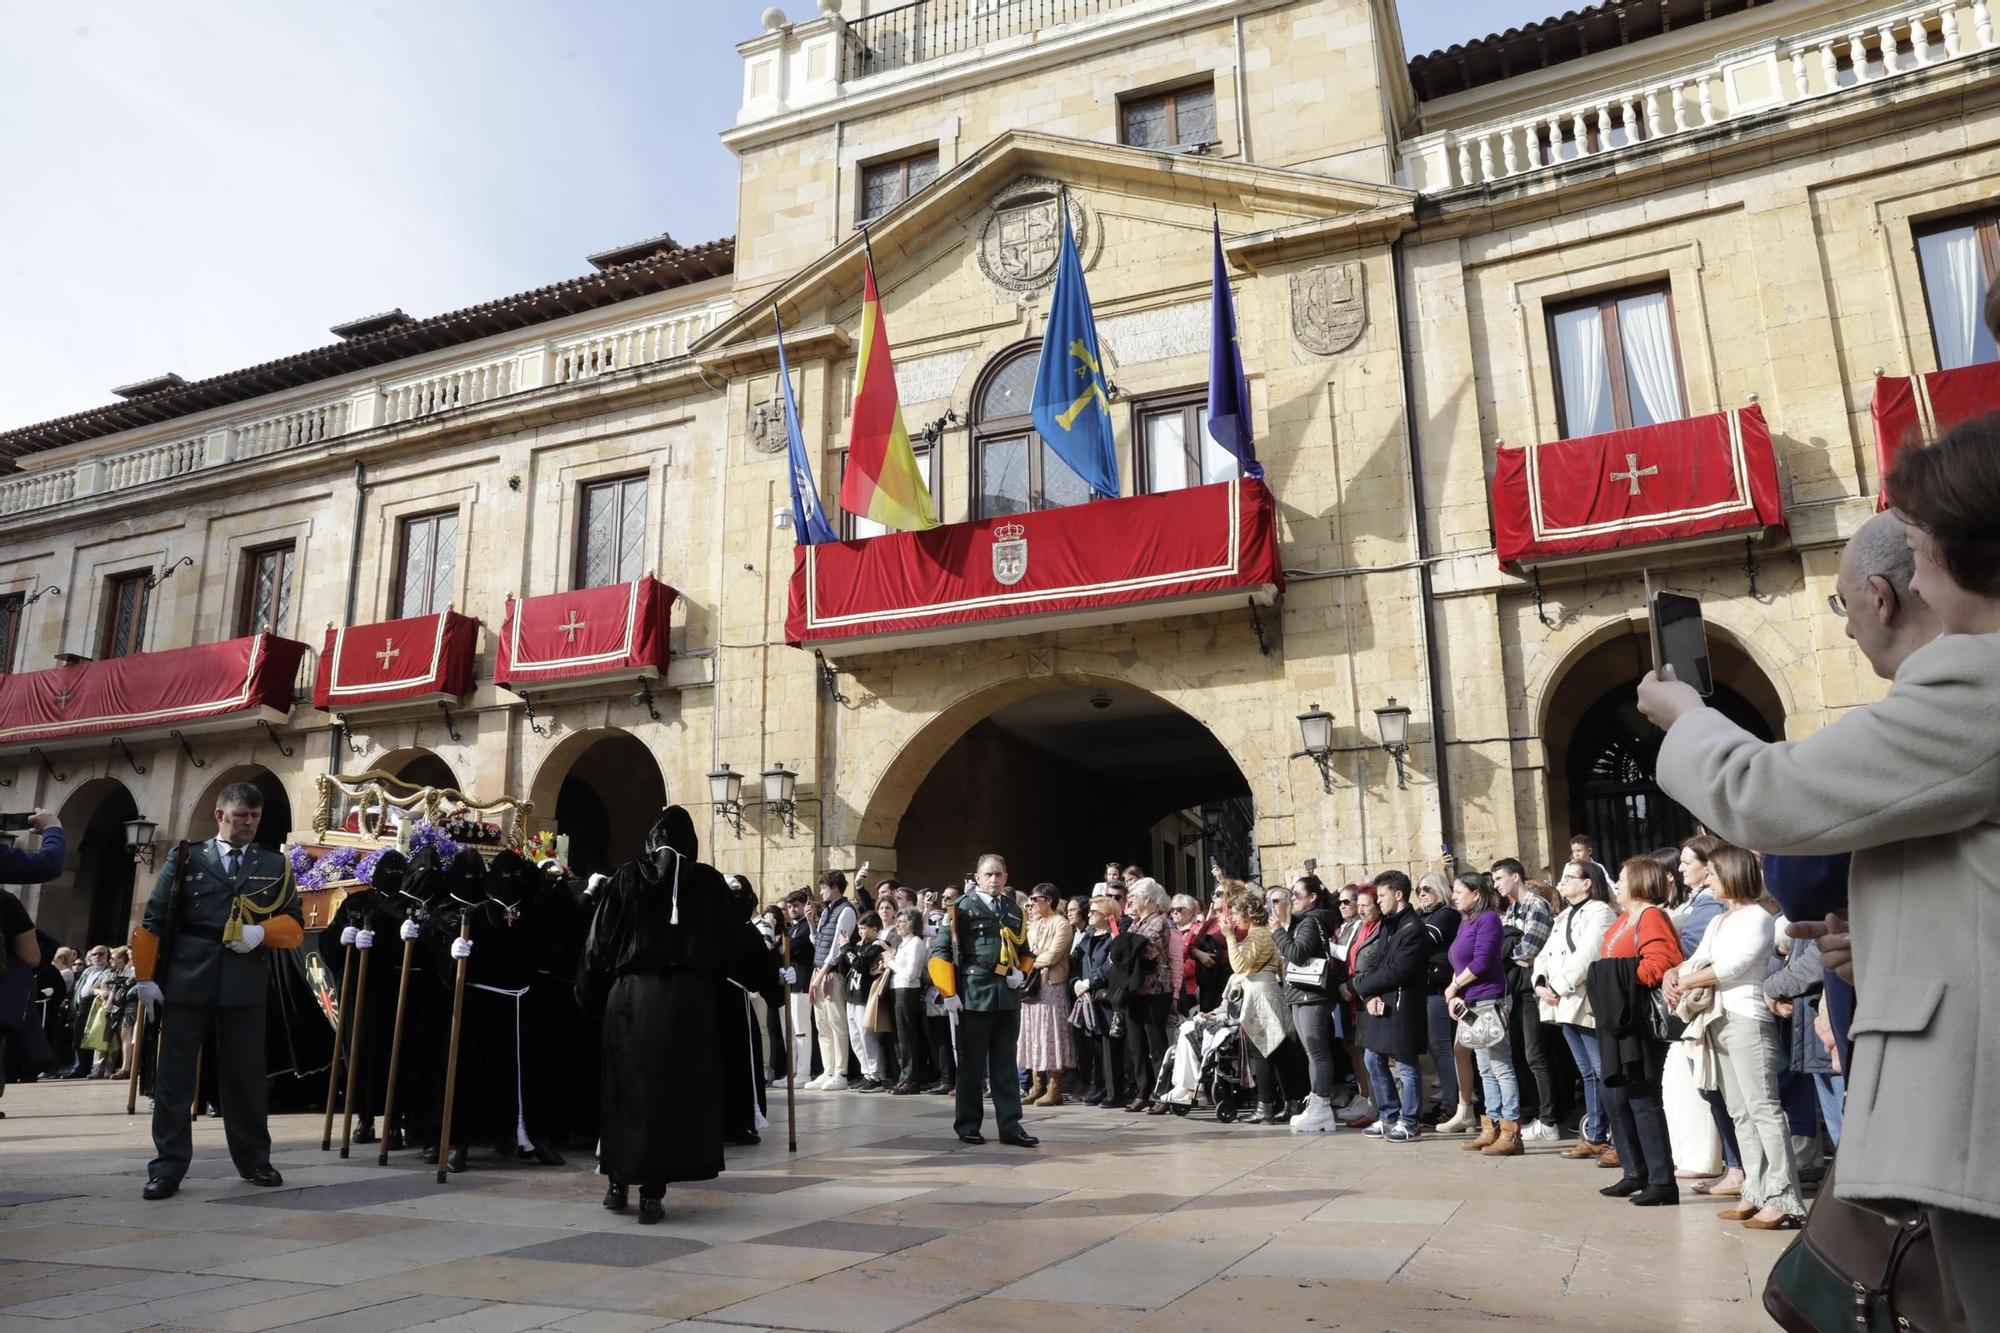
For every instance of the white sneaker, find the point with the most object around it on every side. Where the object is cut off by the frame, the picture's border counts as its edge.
(1541, 1131)
(1317, 1118)
(1358, 1107)
(1380, 1129)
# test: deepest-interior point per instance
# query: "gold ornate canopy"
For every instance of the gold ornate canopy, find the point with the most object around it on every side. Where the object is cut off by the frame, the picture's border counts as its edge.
(375, 793)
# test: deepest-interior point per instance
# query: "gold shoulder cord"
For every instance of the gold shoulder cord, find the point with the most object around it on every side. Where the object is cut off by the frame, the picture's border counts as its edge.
(248, 908)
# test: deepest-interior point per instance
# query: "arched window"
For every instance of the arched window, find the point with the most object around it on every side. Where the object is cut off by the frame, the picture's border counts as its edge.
(1014, 472)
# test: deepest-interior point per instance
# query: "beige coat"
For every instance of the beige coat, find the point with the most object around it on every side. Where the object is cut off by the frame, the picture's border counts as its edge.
(1049, 940)
(1911, 786)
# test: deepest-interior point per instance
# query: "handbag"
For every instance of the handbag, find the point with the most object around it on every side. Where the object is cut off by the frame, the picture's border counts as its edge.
(1031, 989)
(1854, 1270)
(1484, 1027)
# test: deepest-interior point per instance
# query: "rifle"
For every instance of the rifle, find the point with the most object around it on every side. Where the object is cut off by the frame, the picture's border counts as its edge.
(791, 1056)
(451, 1056)
(395, 1054)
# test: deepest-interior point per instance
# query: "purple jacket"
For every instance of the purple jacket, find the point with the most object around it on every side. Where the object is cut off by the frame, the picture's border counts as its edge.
(1477, 949)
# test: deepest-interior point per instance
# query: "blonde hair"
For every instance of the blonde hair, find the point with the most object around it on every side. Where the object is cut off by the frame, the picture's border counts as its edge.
(1246, 903)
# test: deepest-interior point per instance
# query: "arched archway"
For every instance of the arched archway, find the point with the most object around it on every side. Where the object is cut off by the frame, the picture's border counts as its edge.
(1061, 774)
(1602, 753)
(276, 826)
(93, 900)
(421, 768)
(603, 789)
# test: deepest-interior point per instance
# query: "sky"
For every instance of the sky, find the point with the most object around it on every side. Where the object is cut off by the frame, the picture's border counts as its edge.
(200, 187)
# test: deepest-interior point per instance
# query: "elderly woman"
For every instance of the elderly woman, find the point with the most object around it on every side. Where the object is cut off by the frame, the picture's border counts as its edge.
(1095, 979)
(1907, 785)
(1575, 941)
(1189, 923)
(1045, 1048)
(1253, 958)
(1150, 1001)
(1479, 983)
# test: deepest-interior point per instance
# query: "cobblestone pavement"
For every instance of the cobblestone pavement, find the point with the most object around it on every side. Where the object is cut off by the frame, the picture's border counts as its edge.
(881, 1221)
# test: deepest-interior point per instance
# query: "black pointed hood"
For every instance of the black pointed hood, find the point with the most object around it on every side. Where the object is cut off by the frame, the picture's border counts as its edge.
(392, 868)
(674, 828)
(466, 878)
(424, 880)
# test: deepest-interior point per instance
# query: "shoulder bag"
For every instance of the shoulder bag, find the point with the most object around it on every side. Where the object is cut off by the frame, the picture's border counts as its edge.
(1855, 1270)
(1312, 975)
(1482, 1027)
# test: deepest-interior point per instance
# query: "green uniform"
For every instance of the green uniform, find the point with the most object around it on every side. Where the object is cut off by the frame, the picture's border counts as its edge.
(205, 984)
(989, 1024)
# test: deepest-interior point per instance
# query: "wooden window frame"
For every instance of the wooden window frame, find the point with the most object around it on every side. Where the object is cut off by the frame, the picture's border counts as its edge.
(246, 601)
(1171, 96)
(1190, 402)
(114, 605)
(1606, 305)
(1985, 224)
(13, 610)
(902, 165)
(578, 572)
(928, 463)
(404, 524)
(985, 430)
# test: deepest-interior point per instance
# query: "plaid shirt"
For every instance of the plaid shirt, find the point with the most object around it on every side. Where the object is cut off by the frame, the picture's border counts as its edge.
(1533, 918)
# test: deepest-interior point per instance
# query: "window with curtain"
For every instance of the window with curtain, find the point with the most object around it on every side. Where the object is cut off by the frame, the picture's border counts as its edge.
(886, 184)
(126, 598)
(1014, 472)
(1175, 447)
(1959, 261)
(611, 532)
(12, 607)
(267, 591)
(1177, 118)
(427, 556)
(854, 526)
(1617, 362)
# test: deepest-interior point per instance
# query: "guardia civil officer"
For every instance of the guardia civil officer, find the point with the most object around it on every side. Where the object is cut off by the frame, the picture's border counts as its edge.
(199, 955)
(983, 936)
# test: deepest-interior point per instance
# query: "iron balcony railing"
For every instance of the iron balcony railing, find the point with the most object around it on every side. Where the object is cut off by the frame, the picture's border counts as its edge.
(928, 29)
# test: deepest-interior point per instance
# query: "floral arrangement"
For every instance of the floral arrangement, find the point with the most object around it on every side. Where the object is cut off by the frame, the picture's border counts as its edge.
(424, 834)
(329, 869)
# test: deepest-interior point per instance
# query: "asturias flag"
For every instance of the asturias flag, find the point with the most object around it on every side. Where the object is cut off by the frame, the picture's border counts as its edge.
(1228, 391)
(808, 518)
(1072, 410)
(882, 481)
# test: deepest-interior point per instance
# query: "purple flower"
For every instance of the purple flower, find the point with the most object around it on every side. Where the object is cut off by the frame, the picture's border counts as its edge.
(301, 859)
(365, 870)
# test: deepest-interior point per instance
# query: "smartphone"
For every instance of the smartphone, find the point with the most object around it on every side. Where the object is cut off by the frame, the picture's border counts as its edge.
(1680, 639)
(1311, 865)
(16, 823)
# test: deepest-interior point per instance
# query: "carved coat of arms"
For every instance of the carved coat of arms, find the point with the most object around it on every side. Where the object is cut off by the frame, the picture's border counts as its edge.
(1010, 554)
(1022, 236)
(1329, 307)
(767, 427)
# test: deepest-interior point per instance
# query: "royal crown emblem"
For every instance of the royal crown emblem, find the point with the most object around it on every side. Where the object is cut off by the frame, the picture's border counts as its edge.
(1010, 554)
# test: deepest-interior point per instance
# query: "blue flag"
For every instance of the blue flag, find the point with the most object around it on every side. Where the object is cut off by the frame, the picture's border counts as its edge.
(1228, 391)
(808, 518)
(1071, 407)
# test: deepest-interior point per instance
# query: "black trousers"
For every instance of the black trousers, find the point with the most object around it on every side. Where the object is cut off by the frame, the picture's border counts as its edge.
(987, 1039)
(942, 1056)
(1531, 1057)
(910, 1032)
(1146, 1040)
(239, 1074)
(1639, 1131)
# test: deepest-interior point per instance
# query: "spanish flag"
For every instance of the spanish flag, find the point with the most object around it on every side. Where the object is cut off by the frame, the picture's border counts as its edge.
(881, 481)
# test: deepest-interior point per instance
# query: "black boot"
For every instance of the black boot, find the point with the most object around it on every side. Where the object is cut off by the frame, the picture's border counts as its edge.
(546, 1155)
(1623, 1187)
(617, 1196)
(651, 1209)
(397, 1141)
(1654, 1196)
(430, 1154)
(365, 1131)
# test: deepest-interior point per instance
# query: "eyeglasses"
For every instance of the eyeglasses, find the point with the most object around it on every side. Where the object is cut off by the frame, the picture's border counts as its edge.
(1838, 604)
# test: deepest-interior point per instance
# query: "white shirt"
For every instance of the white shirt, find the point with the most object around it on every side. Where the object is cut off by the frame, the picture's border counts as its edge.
(910, 965)
(223, 849)
(1740, 946)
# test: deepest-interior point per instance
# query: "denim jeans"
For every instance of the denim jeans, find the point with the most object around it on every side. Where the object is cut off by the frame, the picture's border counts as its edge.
(1583, 1049)
(1443, 1054)
(1497, 1077)
(1832, 1090)
(1409, 1083)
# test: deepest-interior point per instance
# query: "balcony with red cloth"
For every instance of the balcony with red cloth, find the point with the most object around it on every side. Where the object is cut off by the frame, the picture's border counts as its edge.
(1916, 409)
(419, 659)
(618, 632)
(237, 683)
(1677, 483)
(1182, 552)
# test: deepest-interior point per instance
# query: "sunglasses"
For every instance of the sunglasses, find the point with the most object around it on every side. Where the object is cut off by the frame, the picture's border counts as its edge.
(1347, 902)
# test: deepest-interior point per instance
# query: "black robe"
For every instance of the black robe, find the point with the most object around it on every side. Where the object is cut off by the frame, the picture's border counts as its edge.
(559, 1045)
(750, 968)
(655, 983)
(383, 913)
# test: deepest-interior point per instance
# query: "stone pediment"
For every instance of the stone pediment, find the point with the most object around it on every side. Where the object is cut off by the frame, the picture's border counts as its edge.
(999, 203)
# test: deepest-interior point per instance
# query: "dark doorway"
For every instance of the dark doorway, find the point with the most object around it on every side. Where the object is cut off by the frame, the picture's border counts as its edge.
(1062, 782)
(94, 904)
(1612, 759)
(427, 770)
(610, 796)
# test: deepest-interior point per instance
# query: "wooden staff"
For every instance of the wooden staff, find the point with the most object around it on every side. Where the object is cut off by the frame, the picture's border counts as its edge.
(395, 1054)
(194, 1111)
(354, 1052)
(451, 1054)
(138, 1058)
(791, 1059)
(340, 1009)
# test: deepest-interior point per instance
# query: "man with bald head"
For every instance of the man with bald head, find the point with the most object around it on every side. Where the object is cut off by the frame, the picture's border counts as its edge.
(1872, 593)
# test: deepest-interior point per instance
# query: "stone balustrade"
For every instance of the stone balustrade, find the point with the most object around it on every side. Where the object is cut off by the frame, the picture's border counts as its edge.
(384, 402)
(1783, 72)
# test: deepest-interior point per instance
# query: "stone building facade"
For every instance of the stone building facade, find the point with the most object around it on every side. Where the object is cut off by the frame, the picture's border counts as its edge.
(1404, 239)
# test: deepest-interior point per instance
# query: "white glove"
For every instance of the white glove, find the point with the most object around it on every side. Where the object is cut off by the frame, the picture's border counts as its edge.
(364, 939)
(461, 948)
(788, 975)
(149, 997)
(252, 937)
(411, 929)
(1016, 980)
(1081, 988)
(347, 936)
(952, 1004)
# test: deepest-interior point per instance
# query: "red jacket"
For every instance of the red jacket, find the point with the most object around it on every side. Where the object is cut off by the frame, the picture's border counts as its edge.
(1656, 944)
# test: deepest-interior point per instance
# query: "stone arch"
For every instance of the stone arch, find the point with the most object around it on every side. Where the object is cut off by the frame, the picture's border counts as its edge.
(422, 767)
(278, 823)
(602, 787)
(93, 901)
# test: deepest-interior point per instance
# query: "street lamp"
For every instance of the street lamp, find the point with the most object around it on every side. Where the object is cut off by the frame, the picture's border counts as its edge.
(1393, 721)
(779, 785)
(139, 839)
(1316, 730)
(725, 793)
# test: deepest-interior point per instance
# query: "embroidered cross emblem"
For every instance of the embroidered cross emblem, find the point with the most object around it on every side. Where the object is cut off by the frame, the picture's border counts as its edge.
(62, 698)
(1634, 472)
(387, 655)
(572, 627)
